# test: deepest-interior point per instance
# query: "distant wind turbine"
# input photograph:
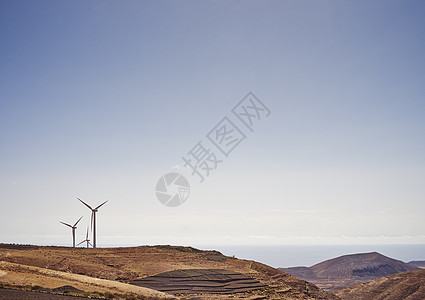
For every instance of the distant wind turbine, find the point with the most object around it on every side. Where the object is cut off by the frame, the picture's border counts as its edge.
(86, 240)
(73, 230)
(93, 218)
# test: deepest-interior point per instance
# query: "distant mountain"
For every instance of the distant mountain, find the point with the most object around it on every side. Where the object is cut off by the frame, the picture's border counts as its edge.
(371, 264)
(408, 285)
(418, 263)
(351, 269)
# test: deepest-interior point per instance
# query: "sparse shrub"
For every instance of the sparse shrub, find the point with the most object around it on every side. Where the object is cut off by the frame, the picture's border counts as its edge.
(86, 295)
(108, 295)
(94, 295)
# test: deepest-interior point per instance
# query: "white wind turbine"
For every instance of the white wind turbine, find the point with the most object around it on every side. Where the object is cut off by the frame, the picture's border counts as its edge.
(73, 230)
(86, 240)
(93, 218)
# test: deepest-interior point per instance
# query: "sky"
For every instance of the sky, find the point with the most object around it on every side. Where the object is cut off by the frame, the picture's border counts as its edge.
(100, 99)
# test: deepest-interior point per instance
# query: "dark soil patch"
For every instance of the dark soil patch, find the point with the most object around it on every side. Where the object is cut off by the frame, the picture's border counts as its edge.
(11, 294)
(18, 247)
(67, 289)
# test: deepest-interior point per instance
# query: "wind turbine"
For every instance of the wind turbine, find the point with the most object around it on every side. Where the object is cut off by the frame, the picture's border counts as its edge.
(93, 218)
(86, 240)
(73, 230)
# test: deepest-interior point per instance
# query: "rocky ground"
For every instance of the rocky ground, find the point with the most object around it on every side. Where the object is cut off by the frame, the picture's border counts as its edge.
(406, 286)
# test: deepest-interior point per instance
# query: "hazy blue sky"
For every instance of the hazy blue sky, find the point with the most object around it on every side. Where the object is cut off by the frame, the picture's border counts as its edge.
(98, 99)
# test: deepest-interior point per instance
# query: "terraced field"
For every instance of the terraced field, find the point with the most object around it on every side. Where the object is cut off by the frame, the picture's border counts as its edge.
(210, 281)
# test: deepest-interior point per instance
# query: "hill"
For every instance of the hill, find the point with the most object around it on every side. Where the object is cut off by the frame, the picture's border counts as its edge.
(418, 263)
(27, 277)
(134, 269)
(349, 270)
(408, 285)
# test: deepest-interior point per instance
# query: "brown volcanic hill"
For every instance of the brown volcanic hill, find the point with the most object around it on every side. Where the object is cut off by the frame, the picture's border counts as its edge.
(371, 264)
(104, 269)
(351, 269)
(418, 263)
(301, 272)
(408, 286)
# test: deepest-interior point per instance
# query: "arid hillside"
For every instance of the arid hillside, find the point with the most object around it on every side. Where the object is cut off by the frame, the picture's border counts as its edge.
(35, 279)
(406, 286)
(102, 269)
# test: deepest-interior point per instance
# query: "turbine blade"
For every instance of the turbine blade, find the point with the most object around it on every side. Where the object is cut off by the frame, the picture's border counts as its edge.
(80, 243)
(66, 224)
(101, 204)
(78, 221)
(85, 203)
(91, 221)
(90, 243)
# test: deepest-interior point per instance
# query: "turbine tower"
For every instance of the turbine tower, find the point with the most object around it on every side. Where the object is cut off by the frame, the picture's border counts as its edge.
(86, 240)
(93, 218)
(73, 230)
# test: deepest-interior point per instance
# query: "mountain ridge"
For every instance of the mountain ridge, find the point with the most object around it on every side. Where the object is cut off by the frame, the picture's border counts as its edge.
(351, 269)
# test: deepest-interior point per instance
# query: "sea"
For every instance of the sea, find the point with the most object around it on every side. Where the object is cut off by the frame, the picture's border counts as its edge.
(308, 255)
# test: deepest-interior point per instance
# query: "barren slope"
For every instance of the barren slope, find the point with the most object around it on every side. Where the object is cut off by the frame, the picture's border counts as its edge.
(24, 275)
(408, 286)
